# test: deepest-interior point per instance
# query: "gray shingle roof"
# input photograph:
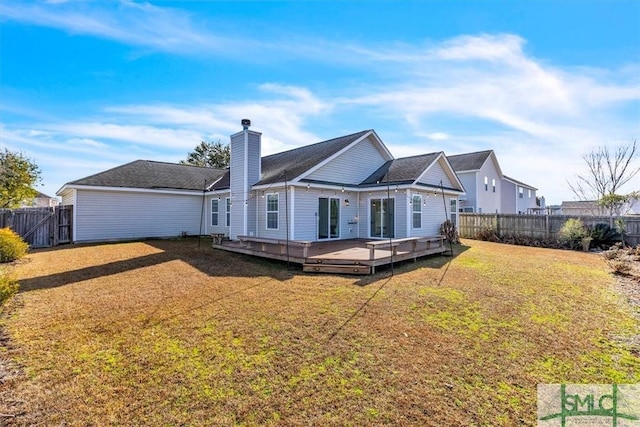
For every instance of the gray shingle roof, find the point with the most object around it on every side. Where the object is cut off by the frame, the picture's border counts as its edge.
(299, 160)
(469, 161)
(405, 169)
(154, 175)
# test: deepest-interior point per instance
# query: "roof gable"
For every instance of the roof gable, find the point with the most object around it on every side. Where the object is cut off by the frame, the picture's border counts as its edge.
(469, 161)
(300, 160)
(403, 170)
(149, 174)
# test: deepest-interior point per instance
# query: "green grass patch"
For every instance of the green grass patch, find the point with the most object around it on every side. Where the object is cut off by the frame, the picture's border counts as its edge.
(173, 335)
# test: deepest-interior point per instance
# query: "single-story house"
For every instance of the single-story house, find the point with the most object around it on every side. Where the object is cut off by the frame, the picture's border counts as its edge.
(343, 188)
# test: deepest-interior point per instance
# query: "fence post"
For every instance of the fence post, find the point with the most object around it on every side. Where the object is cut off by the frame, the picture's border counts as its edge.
(546, 226)
(497, 219)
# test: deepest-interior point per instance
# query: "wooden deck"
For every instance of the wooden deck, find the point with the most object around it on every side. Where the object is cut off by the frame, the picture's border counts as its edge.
(356, 256)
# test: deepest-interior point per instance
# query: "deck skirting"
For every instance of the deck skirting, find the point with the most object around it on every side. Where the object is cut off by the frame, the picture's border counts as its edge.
(340, 256)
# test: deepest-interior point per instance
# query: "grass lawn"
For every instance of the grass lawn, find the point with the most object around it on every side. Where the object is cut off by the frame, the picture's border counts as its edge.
(161, 333)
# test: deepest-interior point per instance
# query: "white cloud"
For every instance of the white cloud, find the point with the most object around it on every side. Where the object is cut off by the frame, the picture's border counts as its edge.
(139, 24)
(464, 94)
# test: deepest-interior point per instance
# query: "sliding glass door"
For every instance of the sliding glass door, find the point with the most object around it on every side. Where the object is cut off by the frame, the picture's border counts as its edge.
(382, 217)
(328, 218)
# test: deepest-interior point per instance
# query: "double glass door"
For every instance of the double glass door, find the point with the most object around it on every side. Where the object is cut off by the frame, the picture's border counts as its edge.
(382, 218)
(328, 218)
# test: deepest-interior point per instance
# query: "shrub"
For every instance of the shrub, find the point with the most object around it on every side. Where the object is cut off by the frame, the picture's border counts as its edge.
(620, 267)
(8, 287)
(488, 234)
(448, 229)
(572, 233)
(12, 247)
(604, 236)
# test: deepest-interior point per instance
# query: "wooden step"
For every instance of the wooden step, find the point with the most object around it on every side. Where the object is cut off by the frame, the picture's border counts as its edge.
(336, 268)
(333, 261)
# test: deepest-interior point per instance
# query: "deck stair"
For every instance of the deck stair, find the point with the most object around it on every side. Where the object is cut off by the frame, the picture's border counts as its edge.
(341, 266)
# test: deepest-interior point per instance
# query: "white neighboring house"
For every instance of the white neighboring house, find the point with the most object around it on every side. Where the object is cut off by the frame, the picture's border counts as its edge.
(481, 175)
(518, 197)
(41, 200)
(488, 190)
(343, 188)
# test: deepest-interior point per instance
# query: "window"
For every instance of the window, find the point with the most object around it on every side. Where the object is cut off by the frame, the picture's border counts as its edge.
(454, 211)
(521, 192)
(486, 184)
(529, 193)
(228, 211)
(272, 211)
(417, 211)
(493, 184)
(214, 212)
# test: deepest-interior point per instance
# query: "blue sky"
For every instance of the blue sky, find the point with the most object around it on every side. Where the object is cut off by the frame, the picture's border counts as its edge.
(89, 85)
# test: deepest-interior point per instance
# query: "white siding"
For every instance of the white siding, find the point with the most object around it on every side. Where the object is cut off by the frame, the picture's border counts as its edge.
(352, 166)
(222, 214)
(306, 213)
(124, 215)
(68, 198)
(487, 200)
(433, 214)
(509, 194)
(435, 174)
(281, 232)
(468, 180)
(511, 201)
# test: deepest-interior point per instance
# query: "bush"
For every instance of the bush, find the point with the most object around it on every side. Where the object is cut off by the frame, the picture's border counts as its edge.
(572, 233)
(448, 229)
(12, 247)
(604, 236)
(8, 287)
(488, 234)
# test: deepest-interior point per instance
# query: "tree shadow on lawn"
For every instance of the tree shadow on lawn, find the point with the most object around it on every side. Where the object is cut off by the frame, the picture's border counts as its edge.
(212, 262)
(209, 261)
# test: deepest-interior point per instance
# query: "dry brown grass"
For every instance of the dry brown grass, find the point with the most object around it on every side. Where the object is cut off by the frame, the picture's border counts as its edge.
(160, 333)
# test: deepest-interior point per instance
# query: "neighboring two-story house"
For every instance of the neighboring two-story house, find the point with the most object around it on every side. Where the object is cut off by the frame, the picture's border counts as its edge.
(481, 176)
(488, 190)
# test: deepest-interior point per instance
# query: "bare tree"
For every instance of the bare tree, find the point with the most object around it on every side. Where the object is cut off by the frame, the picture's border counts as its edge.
(607, 172)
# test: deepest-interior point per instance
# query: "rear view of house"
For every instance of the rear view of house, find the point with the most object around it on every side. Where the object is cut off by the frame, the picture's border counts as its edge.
(342, 188)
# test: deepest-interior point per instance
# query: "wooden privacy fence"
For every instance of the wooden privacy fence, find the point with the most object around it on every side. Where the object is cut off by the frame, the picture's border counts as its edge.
(40, 227)
(536, 226)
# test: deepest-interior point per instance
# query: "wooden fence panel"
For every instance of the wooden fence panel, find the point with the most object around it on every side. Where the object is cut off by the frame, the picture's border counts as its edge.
(40, 227)
(536, 226)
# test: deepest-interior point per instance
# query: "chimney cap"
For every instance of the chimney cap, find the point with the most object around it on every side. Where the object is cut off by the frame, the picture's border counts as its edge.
(245, 123)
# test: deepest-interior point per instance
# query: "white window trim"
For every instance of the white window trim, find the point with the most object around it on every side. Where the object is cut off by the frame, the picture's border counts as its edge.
(486, 183)
(227, 211)
(277, 212)
(414, 211)
(216, 212)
